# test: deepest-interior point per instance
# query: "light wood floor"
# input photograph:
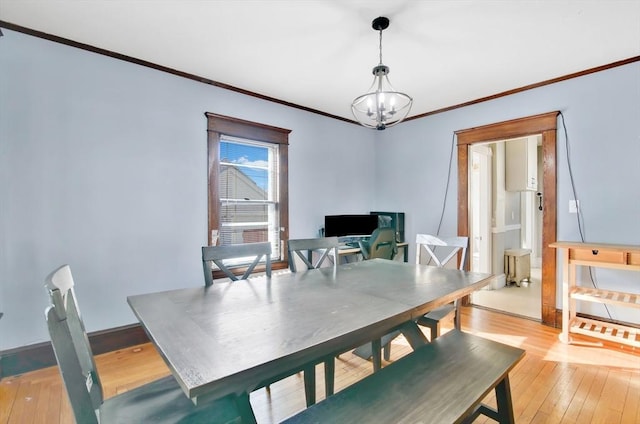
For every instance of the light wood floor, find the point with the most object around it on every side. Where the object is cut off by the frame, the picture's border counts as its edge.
(554, 383)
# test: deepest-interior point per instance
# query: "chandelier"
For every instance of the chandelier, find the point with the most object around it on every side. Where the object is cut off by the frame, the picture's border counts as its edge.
(382, 106)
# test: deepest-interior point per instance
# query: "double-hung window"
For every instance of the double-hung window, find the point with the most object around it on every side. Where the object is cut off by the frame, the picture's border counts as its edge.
(248, 195)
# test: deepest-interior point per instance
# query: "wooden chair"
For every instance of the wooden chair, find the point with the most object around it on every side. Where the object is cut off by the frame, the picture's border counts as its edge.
(161, 401)
(304, 248)
(381, 244)
(218, 254)
(441, 251)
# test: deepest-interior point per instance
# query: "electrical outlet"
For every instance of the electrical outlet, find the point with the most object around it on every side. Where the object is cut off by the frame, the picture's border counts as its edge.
(573, 206)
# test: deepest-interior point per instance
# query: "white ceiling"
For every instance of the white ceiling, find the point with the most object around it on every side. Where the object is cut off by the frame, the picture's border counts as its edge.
(319, 53)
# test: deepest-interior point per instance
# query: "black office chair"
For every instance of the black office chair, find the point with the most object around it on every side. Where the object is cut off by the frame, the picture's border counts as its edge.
(381, 244)
(161, 401)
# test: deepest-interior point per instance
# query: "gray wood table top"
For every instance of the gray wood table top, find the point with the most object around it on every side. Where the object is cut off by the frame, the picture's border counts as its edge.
(229, 337)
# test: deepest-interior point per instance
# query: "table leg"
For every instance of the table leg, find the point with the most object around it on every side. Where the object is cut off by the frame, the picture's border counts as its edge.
(415, 337)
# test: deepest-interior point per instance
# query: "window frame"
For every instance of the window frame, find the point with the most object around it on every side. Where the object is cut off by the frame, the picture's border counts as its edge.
(220, 125)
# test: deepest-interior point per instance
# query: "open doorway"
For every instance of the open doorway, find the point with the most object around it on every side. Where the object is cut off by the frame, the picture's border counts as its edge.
(505, 223)
(546, 126)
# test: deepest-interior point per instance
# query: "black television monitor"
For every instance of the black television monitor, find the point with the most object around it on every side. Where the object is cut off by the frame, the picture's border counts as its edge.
(349, 225)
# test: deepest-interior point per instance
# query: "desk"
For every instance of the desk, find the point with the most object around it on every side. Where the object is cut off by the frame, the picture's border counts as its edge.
(229, 337)
(356, 251)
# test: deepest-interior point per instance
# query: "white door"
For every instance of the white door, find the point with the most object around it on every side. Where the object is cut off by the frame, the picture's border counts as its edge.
(480, 208)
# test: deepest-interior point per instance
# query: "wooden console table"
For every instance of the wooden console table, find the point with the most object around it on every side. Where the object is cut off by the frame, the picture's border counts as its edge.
(597, 255)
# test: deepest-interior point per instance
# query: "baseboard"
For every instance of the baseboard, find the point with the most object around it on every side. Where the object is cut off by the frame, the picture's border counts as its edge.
(40, 355)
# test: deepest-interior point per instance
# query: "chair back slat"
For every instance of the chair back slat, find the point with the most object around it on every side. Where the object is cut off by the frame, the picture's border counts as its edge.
(218, 254)
(430, 244)
(304, 248)
(71, 347)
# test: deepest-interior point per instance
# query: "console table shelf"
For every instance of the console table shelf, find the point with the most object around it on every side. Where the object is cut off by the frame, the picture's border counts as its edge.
(576, 254)
(606, 296)
(606, 331)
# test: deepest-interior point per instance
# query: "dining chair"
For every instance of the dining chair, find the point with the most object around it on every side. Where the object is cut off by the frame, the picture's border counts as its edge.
(441, 250)
(381, 244)
(304, 249)
(253, 252)
(325, 247)
(161, 401)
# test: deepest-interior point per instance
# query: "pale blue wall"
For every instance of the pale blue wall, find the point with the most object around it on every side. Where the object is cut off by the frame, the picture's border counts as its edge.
(602, 113)
(104, 166)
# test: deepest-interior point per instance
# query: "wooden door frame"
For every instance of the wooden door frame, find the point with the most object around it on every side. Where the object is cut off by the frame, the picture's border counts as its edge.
(545, 124)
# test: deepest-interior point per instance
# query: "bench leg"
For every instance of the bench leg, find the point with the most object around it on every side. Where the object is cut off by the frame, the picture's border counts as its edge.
(329, 376)
(376, 355)
(503, 398)
(387, 352)
(504, 413)
(386, 344)
(435, 331)
(310, 384)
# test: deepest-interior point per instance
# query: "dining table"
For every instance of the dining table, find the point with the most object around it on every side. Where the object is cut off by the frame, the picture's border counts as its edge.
(229, 338)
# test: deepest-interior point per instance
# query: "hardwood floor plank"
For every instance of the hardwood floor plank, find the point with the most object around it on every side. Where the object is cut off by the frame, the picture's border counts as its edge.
(8, 393)
(631, 411)
(592, 399)
(558, 411)
(23, 410)
(56, 400)
(575, 406)
(41, 403)
(537, 393)
(611, 403)
(561, 391)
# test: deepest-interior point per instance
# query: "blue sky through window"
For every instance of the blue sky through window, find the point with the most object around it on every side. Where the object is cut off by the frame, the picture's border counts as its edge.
(251, 160)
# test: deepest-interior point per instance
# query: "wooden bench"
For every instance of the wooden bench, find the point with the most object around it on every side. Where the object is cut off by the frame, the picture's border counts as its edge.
(441, 382)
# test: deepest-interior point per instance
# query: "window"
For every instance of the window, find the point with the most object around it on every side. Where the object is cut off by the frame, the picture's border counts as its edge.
(248, 193)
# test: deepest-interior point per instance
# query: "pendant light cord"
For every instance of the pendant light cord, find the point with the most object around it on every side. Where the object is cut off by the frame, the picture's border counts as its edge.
(380, 47)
